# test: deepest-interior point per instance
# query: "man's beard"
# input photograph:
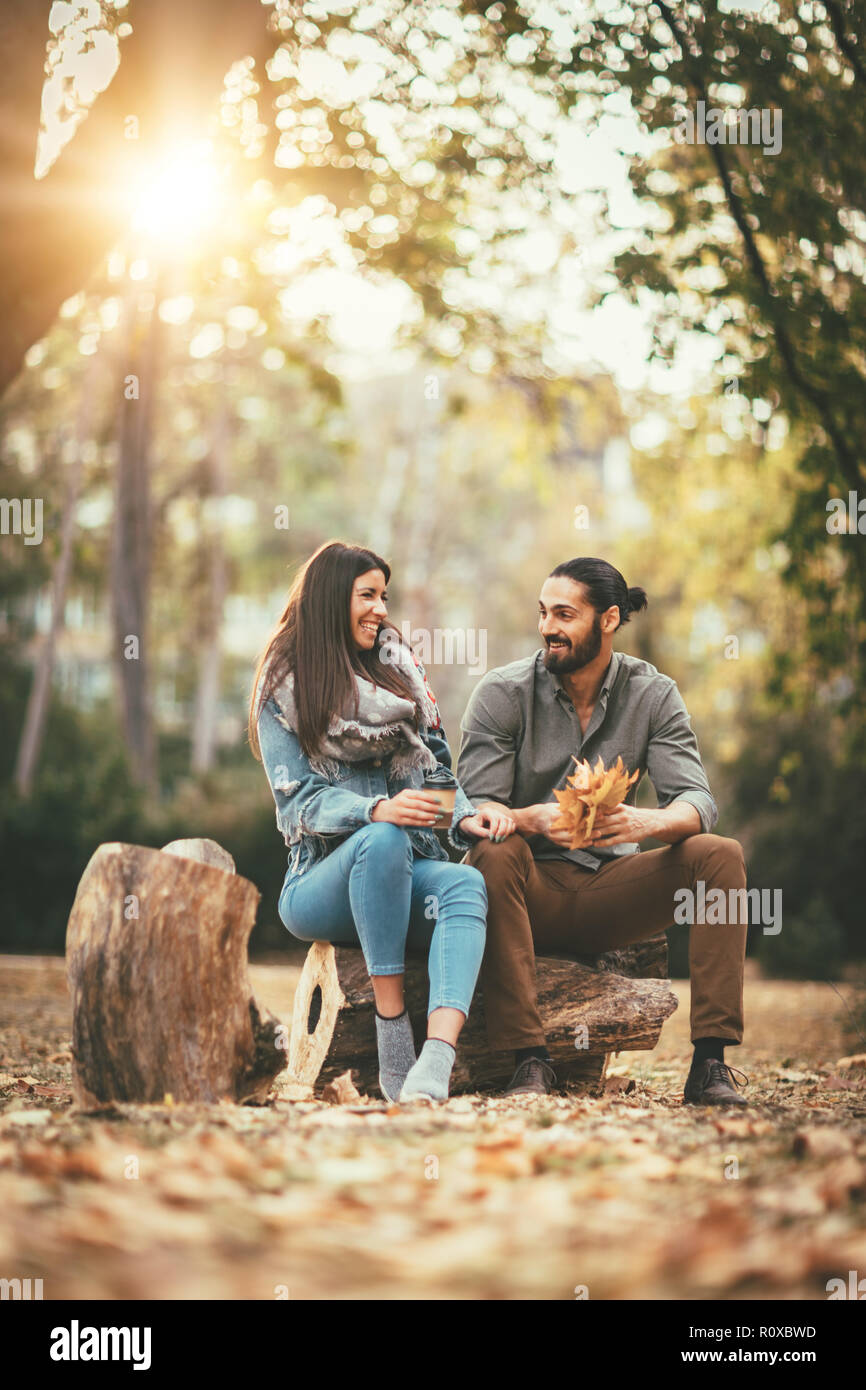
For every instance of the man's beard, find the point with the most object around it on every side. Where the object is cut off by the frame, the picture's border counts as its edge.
(565, 660)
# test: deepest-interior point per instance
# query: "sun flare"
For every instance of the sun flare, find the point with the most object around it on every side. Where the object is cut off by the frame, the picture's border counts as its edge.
(180, 197)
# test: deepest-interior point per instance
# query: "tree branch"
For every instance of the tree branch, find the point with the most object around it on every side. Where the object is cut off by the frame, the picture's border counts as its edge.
(817, 399)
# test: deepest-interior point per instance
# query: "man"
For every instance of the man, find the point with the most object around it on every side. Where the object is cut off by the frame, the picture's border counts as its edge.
(521, 726)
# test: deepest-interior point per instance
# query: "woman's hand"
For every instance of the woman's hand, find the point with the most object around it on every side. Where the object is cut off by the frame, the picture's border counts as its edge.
(492, 824)
(408, 807)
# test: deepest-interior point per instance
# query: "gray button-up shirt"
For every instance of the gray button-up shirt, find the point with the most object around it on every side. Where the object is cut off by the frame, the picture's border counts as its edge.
(520, 730)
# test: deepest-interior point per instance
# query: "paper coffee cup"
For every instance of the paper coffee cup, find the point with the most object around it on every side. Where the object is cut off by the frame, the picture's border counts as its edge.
(446, 797)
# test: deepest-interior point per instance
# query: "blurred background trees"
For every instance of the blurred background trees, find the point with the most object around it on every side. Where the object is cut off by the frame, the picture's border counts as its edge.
(338, 294)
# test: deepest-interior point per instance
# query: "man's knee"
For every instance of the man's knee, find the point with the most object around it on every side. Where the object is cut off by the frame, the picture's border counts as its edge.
(719, 851)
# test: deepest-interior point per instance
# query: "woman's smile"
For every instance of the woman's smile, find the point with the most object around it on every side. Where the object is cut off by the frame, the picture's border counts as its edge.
(368, 608)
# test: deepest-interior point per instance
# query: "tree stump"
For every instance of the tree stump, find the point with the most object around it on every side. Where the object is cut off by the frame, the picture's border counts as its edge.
(203, 851)
(156, 952)
(590, 1008)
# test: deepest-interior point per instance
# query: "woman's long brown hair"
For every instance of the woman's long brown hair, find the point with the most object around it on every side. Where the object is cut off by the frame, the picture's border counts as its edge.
(313, 640)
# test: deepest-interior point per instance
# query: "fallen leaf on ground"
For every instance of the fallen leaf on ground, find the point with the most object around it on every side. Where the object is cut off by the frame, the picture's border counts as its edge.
(824, 1141)
(503, 1160)
(840, 1179)
(620, 1085)
(55, 1161)
(342, 1090)
(795, 1199)
(28, 1117)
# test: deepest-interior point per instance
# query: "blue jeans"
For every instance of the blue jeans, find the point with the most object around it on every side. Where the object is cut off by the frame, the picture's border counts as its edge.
(371, 890)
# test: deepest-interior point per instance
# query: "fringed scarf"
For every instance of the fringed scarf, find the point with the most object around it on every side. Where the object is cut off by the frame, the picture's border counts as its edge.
(382, 727)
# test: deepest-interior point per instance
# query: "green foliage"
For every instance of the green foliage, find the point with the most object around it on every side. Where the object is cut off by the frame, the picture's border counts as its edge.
(800, 802)
(470, 491)
(83, 797)
(761, 251)
(232, 805)
(810, 946)
(779, 729)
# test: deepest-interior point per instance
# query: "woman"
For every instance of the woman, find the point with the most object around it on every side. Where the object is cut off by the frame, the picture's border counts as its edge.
(347, 727)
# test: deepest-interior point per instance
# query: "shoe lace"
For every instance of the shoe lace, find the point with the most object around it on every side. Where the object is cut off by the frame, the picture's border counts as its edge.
(718, 1072)
(524, 1071)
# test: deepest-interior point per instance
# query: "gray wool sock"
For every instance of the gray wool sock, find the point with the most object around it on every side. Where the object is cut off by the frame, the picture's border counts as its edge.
(431, 1073)
(396, 1052)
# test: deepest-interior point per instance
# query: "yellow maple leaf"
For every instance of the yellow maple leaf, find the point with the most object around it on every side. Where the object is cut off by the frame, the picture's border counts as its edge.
(587, 792)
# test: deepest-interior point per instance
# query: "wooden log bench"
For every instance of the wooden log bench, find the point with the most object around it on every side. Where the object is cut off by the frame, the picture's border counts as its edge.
(156, 954)
(590, 1008)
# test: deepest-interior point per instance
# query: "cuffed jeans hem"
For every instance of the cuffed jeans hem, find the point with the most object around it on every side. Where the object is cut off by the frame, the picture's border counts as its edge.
(386, 970)
(450, 1004)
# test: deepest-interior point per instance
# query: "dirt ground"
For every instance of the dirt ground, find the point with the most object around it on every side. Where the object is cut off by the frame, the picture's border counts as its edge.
(628, 1195)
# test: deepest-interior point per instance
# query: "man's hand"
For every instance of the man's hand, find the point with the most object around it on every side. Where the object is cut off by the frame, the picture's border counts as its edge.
(625, 825)
(538, 819)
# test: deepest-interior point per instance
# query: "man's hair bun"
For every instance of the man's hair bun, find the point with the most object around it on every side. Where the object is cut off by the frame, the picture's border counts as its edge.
(637, 599)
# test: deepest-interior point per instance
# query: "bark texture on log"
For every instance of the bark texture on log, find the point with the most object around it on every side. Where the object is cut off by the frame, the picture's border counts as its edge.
(156, 952)
(621, 999)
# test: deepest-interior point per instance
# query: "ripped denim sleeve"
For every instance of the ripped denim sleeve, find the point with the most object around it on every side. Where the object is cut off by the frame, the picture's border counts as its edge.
(306, 803)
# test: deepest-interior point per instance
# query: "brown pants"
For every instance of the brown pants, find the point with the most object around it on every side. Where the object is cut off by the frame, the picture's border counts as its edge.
(558, 906)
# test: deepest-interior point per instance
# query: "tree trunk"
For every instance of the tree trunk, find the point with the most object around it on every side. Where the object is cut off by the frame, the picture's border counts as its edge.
(419, 562)
(131, 551)
(156, 952)
(40, 691)
(215, 568)
(616, 1002)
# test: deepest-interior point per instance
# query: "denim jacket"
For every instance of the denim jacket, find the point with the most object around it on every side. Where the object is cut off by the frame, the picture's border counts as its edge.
(316, 813)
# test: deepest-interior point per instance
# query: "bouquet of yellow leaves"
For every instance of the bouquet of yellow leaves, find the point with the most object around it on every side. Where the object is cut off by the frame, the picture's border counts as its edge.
(588, 791)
